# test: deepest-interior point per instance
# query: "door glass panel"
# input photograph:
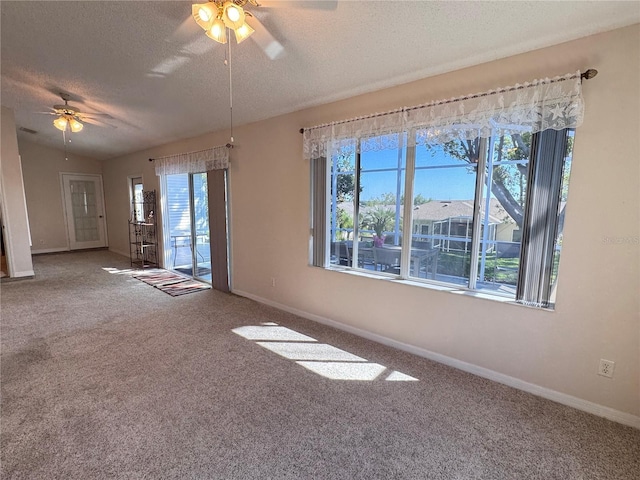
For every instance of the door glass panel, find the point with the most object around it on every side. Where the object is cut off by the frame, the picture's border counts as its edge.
(202, 260)
(84, 210)
(179, 222)
(188, 206)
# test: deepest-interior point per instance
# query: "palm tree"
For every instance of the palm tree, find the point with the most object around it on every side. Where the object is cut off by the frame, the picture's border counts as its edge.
(380, 220)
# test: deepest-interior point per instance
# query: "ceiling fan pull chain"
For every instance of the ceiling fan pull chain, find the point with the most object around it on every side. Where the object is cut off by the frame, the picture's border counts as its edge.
(230, 93)
(64, 140)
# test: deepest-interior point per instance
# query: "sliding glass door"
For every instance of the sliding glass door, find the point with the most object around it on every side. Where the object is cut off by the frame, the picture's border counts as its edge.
(188, 242)
(200, 231)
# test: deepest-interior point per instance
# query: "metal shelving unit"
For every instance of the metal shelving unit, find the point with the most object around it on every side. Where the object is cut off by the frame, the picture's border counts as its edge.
(143, 241)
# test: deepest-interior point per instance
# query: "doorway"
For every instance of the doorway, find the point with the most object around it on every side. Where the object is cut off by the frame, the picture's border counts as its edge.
(188, 245)
(84, 211)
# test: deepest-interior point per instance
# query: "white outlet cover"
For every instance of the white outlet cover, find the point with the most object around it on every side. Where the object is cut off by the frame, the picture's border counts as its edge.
(606, 368)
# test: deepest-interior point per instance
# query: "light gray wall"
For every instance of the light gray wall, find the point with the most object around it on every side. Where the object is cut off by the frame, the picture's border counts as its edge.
(14, 211)
(42, 167)
(116, 174)
(553, 353)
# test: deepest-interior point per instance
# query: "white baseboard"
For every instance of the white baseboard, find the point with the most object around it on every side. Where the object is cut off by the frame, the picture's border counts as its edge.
(563, 398)
(119, 252)
(26, 273)
(49, 250)
(65, 249)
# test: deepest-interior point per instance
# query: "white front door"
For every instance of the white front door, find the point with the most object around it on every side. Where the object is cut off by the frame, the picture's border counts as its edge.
(84, 211)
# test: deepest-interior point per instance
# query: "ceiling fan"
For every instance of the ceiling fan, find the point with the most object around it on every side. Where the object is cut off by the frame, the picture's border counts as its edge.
(70, 117)
(216, 17)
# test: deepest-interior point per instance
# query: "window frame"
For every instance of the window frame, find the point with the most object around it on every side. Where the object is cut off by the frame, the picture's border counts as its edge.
(134, 181)
(486, 146)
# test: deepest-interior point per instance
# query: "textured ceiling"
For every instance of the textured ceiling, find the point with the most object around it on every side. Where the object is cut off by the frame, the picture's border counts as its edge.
(158, 78)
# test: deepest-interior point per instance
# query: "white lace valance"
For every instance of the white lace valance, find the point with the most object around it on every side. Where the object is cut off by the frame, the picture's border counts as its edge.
(215, 158)
(554, 103)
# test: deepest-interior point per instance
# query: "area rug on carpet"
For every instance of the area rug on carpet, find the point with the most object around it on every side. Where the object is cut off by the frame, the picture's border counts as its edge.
(169, 282)
(182, 288)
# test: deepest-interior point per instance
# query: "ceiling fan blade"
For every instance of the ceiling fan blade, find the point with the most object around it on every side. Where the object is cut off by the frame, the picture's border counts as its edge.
(93, 121)
(269, 45)
(47, 113)
(185, 32)
(190, 41)
(190, 38)
(95, 114)
(310, 4)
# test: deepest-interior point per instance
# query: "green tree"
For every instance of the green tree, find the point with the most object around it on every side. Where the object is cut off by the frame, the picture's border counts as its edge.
(344, 220)
(420, 200)
(389, 198)
(384, 199)
(514, 147)
(345, 182)
(507, 186)
(379, 219)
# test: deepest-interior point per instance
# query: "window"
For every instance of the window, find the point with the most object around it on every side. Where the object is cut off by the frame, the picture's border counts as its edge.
(484, 213)
(135, 198)
(453, 184)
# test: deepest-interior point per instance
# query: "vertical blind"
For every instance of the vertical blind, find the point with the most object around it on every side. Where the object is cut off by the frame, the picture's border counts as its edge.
(541, 217)
(319, 210)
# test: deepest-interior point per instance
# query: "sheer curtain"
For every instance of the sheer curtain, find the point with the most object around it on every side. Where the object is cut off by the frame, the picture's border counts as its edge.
(215, 158)
(550, 103)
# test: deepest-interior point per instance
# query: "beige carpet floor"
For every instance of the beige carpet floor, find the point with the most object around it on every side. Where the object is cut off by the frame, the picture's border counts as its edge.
(104, 377)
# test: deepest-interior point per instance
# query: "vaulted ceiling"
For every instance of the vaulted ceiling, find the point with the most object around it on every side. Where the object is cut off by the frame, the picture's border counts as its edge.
(155, 77)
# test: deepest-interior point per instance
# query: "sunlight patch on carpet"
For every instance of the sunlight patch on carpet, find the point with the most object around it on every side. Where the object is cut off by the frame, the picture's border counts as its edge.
(345, 371)
(320, 358)
(310, 351)
(272, 332)
(118, 271)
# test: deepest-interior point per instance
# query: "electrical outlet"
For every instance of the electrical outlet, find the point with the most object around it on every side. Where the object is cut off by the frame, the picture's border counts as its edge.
(273, 281)
(606, 368)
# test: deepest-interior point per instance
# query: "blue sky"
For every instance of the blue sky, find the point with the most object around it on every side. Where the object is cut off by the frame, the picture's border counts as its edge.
(456, 182)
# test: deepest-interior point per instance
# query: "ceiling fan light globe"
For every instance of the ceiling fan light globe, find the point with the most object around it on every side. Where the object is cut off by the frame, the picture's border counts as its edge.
(243, 32)
(232, 15)
(60, 123)
(218, 31)
(75, 125)
(204, 14)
